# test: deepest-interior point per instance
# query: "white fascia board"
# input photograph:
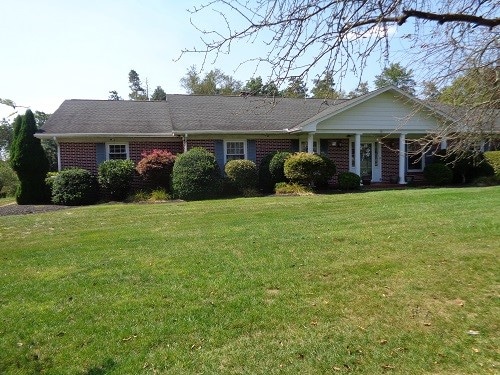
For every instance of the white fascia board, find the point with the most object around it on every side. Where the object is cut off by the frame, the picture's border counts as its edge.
(201, 132)
(103, 135)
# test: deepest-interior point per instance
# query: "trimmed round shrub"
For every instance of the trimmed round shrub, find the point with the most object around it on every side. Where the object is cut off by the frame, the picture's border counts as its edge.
(156, 166)
(266, 183)
(242, 173)
(438, 174)
(349, 181)
(115, 176)
(196, 175)
(74, 187)
(303, 168)
(277, 166)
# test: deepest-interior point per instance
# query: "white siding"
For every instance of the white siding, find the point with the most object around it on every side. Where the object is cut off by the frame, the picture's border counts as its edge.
(382, 113)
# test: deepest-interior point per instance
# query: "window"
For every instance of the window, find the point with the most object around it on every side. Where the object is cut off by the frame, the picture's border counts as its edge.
(117, 151)
(235, 150)
(415, 157)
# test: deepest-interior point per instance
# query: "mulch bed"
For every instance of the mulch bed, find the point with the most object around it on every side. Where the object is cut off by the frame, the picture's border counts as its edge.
(24, 209)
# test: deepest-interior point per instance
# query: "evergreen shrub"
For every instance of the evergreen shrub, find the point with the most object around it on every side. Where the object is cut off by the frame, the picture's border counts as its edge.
(74, 187)
(349, 181)
(196, 175)
(266, 183)
(115, 177)
(242, 173)
(277, 166)
(438, 174)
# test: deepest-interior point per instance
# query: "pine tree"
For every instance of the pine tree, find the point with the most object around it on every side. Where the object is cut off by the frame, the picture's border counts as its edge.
(30, 163)
(138, 92)
(159, 94)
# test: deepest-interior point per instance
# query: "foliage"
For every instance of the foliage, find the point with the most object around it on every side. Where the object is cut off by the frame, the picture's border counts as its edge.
(159, 94)
(137, 91)
(113, 95)
(296, 88)
(324, 88)
(8, 180)
(28, 160)
(326, 172)
(493, 159)
(242, 173)
(266, 183)
(466, 167)
(307, 169)
(156, 167)
(115, 176)
(215, 82)
(277, 166)
(349, 181)
(158, 195)
(285, 188)
(74, 187)
(398, 76)
(196, 175)
(362, 89)
(438, 174)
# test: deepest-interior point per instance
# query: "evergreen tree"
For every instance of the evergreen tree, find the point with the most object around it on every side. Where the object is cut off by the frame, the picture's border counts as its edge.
(324, 88)
(396, 75)
(138, 92)
(159, 94)
(254, 86)
(296, 88)
(30, 163)
(113, 95)
(362, 89)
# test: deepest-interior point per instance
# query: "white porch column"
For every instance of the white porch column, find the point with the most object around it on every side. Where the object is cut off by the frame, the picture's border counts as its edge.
(310, 143)
(357, 154)
(185, 142)
(402, 158)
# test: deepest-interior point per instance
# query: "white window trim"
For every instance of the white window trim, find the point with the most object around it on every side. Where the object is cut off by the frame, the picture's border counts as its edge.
(408, 165)
(117, 144)
(235, 140)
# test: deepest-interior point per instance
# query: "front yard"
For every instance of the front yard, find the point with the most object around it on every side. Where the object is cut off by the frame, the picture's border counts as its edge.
(380, 282)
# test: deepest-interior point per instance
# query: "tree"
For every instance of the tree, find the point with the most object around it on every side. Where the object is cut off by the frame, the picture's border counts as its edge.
(324, 88)
(362, 89)
(30, 163)
(254, 86)
(49, 146)
(159, 94)
(113, 95)
(215, 82)
(6, 135)
(296, 88)
(138, 93)
(441, 38)
(396, 75)
(430, 90)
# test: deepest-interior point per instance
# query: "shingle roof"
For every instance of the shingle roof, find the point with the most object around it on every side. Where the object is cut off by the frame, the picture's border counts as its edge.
(182, 114)
(191, 113)
(109, 117)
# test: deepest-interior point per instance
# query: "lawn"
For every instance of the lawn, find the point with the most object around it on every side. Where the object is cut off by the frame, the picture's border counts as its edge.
(397, 282)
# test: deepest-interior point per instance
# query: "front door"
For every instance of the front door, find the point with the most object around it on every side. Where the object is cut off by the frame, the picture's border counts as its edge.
(371, 160)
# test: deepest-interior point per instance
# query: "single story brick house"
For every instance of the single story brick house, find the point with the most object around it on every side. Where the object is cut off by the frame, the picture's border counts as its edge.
(361, 135)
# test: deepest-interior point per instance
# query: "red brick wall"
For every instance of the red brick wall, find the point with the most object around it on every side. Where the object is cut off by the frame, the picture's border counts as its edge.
(390, 159)
(136, 148)
(82, 155)
(208, 145)
(266, 146)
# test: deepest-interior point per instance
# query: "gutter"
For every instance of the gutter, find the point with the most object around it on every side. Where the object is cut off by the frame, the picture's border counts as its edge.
(106, 135)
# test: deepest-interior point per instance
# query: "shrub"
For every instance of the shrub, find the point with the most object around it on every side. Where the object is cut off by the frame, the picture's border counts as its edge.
(74, 187)
(156, 166)
(159, 195)
(28, 159)
(277, 166)
(326, 172)
(49, 181)
(115, 176)
(8, 180)
(196, 175)
(242, 173)
(438, 174)
(284, 188)
(303, 168)
(266, 183)
(493, 159)
(468, 167)
(349, 181)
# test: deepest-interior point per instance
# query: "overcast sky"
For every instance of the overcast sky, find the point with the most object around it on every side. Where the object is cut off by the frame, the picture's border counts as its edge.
(52, 50)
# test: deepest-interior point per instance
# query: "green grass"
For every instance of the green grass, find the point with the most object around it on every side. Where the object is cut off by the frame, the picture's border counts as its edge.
(7, 200)
(367, 283)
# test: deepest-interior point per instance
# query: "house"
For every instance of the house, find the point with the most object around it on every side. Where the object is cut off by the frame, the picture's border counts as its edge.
(361, 135)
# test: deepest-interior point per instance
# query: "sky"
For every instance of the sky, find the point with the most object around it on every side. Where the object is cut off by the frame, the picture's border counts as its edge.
(52, 50)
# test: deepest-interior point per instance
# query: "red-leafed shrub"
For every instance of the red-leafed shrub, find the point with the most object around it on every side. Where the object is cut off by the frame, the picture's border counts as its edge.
(156, 167)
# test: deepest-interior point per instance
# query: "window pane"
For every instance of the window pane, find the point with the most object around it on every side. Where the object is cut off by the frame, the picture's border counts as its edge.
(117, 152)
(235, 150)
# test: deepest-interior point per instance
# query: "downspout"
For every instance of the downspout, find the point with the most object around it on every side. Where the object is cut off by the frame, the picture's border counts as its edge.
(185, 142)
(58, 154)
